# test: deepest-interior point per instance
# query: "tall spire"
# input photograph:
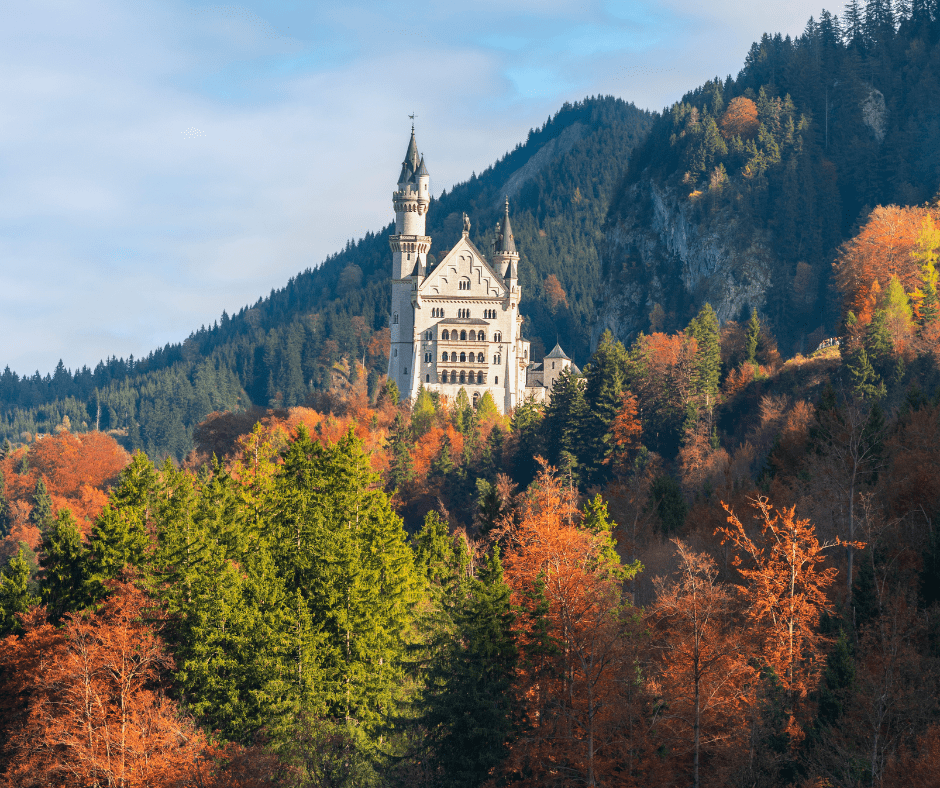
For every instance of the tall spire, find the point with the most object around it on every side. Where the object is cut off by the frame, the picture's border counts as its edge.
(505, 242)
(411, 156)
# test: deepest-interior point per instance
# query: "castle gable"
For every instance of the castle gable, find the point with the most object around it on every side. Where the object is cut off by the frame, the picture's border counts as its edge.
(464, 272)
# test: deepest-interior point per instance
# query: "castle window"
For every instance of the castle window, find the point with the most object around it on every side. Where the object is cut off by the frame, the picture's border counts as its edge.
(476, 399)
(463, 357)
(497, 337)
(427, 336)
(473, 336)
(463, 284)
(471, 378)
(444, 357)
(496, 380)
(463, 336)
(479, 358)
(463, 376)
(406, 370)
(427, 378)
(553, 365)
(481, 336)
(395, 353)
(527, 355)
(446, 334)
(395, 319)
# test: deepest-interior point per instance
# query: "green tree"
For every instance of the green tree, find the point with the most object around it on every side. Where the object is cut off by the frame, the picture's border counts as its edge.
(603, 391)
(667, 501)
(422, 413)
(704, 327)
(401, 467)
(565, 417)
(64, 577)
(41, 514)
(928, 248)
(5, 515)
(486, 407)
(752, 338)
(527, 427)
(467, 710)
(15, 596)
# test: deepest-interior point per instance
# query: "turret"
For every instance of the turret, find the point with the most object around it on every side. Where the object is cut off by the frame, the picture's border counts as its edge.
(505, 256)
(411, 199)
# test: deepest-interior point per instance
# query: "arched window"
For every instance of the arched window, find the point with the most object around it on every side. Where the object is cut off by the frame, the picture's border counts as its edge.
(463, 336)
(476, 399)
(444, 356)
(481, 337)
(464, 284)
(446, 334)
(479, 358)
(471, 378)
(473, 335)
(444, 376)
(427, 336)
(463, 376)
(527, 355)
(463, 358)
(496, 381)
(427, 378)
(395, 319)
(498, 337)
(481, 377)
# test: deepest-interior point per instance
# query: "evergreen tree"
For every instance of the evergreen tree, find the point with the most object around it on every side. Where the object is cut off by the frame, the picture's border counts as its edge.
(15, 596)
(443, 464)
(704, 327)
(422, 413)
(667, 501)
(41, 514)
(753, 338)
(467, 710)
(528, 421)
(64, 576)
(565, 417)
(865, 382)
(5, 514)
(401, 467)
(605, 380)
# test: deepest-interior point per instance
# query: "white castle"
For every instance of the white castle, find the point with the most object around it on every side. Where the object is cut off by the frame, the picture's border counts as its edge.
(457, 325)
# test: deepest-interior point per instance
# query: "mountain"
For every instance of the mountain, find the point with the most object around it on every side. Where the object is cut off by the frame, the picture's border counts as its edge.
(295, 341)
(743, 191)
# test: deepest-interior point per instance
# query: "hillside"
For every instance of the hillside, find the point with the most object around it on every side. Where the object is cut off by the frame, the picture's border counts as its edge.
(743, 191)
(294, 341)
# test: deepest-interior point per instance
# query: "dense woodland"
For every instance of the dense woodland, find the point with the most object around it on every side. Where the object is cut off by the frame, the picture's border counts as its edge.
(701, 563)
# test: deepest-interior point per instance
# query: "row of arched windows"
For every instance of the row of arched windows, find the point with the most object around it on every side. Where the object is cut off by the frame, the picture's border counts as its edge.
(480, 358)
(473, 336)
(471, 377)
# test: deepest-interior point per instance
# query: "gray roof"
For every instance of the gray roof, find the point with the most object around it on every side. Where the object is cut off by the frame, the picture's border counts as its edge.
(411, 155)
(406, 173)
(422, 170)
(557, 352)
(466, 321)
(504, 240)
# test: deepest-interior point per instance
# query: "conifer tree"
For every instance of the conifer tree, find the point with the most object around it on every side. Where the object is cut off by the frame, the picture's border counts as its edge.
(753, 338)
(565, 417)
(5, 517)
(528, 421)
(605, 380)
(41, 514)
(401, 467)
(64, 577)
(422, 413)
(15, 596)
(704, 327)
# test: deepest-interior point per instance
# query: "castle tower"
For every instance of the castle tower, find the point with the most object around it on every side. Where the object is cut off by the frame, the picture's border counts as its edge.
(505, 257)
(410, 248)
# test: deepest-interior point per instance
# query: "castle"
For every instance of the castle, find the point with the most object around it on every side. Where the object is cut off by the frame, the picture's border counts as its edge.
(457, 324)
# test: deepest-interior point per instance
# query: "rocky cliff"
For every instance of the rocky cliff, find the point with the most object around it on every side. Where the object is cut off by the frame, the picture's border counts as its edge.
(664, 256)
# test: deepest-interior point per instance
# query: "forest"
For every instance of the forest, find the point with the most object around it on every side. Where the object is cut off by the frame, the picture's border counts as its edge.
(709, 560)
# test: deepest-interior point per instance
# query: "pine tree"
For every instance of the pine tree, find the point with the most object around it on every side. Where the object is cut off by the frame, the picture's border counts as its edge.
(467, 709)
(401, 468)
(753, 338)
(5, 516)
(15, 596)
(64, 579)
(41, 514)
(565, 417)
(704, 327)
(605, 380)
(422, 413)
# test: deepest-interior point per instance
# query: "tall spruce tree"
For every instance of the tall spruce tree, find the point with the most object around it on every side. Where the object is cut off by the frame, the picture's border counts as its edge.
(752, 339)
(605, 379)
(41, 514)
(566, 417)
(400, 440)
(704, 327)
(5, 514)
(15, 595)
(64, 577)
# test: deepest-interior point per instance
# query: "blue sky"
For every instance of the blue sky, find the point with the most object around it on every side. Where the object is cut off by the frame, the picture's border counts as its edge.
(163, 161)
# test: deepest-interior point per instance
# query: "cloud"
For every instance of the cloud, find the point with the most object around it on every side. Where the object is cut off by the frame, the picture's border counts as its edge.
(163, 161)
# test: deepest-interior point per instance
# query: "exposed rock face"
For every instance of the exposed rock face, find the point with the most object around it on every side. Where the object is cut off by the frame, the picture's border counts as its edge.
(875, 113)
(549, 152)
(662, 250)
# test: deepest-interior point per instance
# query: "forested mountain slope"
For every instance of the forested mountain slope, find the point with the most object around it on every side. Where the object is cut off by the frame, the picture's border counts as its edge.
(742, 193)
(277, 351)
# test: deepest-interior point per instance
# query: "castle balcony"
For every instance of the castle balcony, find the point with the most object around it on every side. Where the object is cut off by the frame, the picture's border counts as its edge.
(410, 244)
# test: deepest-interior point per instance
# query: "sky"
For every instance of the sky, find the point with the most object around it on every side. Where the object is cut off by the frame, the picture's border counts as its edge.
(164, 161)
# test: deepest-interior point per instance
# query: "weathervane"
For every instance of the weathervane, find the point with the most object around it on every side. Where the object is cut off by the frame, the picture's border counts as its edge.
(412, 122)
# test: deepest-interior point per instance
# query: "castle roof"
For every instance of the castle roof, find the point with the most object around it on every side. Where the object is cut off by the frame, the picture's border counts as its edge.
(557, 352)
(505, 243)
(422, 170)
(411, 155)
(465, 321)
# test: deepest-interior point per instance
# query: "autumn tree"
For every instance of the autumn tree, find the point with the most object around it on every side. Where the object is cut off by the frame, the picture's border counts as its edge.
(80, 705)
(739, 119)
(703, 672)
(554, 293)
(784, 591)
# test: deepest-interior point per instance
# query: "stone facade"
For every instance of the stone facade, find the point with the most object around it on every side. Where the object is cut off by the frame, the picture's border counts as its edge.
(456, 325)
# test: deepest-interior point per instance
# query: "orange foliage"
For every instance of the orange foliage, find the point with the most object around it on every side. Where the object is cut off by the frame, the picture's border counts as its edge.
(574, 706)
(882, 249)
(669, 362)
(554, 293)
(785, 591)
(739, 119)
(917, 767)
(626, 434)
(915, 463)
(78, 708)
(429, 447)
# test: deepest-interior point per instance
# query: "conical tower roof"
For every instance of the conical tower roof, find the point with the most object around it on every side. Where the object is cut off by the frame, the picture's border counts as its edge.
(505, 243)
(422, 170)
(557, 352)
(411, 156)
